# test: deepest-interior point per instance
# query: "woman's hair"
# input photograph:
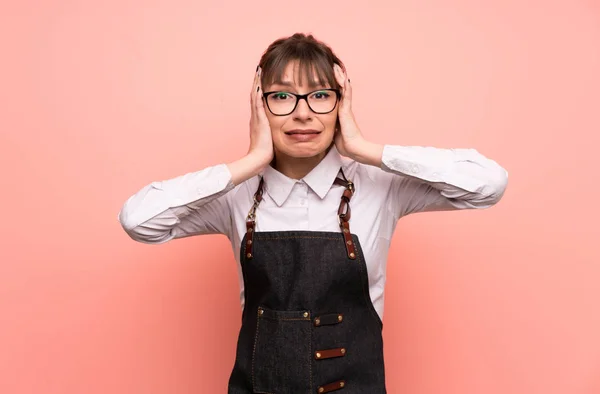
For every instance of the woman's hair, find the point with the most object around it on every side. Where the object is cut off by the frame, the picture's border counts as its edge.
(314, 58)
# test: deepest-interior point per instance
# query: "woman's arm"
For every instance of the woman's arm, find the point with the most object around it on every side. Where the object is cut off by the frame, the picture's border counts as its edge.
(435, 179)
(196, 203)
(428, 178)
(190, 204)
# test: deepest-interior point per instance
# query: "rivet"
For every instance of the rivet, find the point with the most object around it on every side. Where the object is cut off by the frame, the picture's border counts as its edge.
(349, 242)
(340, 317)
(249, 242)
(321, 389)
(260, 311)
(317, 321)
(250, 230)
(305, 314)
(318, 355)
(249, 255)
(343, 351)
(345, 230)
(352, 254)
(342, 384)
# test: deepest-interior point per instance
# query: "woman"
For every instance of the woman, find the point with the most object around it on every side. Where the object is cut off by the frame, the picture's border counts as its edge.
(311, 289)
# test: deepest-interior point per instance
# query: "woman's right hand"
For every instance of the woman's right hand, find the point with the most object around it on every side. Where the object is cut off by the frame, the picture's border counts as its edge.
(261, 141)
(260, 153)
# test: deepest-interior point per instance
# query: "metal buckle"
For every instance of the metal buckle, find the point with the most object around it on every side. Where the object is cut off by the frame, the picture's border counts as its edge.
(351, 186)
(252, 213)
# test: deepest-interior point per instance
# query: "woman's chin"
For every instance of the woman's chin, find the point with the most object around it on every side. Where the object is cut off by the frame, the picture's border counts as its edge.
(301, 151)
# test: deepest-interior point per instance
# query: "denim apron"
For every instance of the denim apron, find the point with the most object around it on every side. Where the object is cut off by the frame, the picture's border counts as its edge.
(308, 324)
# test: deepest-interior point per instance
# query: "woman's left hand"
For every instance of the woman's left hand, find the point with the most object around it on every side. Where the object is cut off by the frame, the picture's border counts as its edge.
(349, 139)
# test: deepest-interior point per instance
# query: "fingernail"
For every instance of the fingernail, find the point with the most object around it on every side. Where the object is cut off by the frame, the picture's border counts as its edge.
(257, 68)
(258, 88)
(348, 80)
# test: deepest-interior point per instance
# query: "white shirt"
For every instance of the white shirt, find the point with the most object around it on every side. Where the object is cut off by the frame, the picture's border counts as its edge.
(411, 179)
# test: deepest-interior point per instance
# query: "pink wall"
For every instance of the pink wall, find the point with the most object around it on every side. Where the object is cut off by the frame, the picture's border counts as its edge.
(98, 99)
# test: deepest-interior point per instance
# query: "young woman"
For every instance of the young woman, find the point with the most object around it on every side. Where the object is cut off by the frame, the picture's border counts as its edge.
(312, 270)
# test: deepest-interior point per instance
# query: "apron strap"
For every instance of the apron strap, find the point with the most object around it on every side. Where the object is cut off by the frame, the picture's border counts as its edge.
(251, 218)
(343, 215)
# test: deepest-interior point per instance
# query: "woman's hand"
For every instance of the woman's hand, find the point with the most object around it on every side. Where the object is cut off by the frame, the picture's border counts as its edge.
(260, 153)
(261, 141)
(349, 140)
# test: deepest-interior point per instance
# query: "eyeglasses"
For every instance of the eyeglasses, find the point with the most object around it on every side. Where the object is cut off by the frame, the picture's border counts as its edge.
(320, 101)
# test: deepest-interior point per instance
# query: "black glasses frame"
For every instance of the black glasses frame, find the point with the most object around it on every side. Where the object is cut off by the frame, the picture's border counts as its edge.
(302, 97)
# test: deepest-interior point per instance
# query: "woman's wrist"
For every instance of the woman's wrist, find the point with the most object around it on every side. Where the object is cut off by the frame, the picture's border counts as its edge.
(370, 153)
(247, 167)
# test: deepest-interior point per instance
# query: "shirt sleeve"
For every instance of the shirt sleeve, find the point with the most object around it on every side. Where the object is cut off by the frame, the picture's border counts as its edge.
(435, 179)
(190, 204)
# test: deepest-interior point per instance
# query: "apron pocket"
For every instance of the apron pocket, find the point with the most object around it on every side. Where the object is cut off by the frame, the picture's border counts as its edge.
(281, 359)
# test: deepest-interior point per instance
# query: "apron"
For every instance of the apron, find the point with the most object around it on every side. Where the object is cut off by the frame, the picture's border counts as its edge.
(308, 324)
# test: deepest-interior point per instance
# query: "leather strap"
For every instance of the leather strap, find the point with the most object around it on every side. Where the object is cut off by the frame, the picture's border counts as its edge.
(251, 218)
(329, 319)
(330, 353)
(343, 215)
(340, 384)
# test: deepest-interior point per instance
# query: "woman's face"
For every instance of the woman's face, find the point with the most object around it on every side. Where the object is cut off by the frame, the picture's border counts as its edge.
(302, 133)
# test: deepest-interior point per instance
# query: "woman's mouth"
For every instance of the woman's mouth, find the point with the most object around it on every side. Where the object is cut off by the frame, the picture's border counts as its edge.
(302, 135)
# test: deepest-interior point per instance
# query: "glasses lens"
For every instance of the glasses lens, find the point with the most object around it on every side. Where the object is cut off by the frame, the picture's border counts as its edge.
(320, 101)
(281, 103)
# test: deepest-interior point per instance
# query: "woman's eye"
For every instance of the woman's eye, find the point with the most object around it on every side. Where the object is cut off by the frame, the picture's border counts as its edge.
(280, 96)
(321, 95)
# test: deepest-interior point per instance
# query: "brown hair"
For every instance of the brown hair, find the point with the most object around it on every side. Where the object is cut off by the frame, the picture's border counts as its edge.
(313, 56)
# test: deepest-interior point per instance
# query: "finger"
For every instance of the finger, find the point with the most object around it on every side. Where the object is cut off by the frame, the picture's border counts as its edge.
(259, 89)
(343, 80)
(255, 83)
(339, 75)
(347, 88)
(260, 106)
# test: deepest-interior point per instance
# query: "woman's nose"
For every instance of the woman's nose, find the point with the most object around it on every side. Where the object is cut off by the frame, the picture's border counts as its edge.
(302, 109)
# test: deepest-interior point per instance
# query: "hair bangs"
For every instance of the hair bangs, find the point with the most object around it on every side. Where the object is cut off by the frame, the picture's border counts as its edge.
(313, 62)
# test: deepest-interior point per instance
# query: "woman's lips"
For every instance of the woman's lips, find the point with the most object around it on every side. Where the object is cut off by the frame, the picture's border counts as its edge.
(303, 135)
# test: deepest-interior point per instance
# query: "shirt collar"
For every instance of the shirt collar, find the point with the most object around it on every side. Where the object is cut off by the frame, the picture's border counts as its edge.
(320, 179)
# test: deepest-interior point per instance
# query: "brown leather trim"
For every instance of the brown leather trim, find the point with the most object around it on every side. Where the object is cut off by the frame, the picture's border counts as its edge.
(344, 209)
(251, 218)
(249, 238)
(340, 384)
(340, 181)
(330, 353)
(343, 215)
(345, 226)
(329, 319)
(259, 191)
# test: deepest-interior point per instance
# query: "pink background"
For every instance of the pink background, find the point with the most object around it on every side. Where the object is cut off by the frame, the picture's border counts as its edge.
(98, 99)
